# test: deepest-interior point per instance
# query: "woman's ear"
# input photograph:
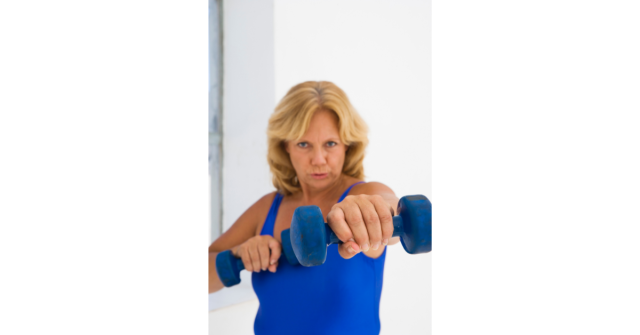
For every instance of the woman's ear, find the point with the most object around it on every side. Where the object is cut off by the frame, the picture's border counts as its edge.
(285, 145)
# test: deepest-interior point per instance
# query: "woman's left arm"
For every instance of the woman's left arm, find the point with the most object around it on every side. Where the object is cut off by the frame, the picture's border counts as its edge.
(363, 220)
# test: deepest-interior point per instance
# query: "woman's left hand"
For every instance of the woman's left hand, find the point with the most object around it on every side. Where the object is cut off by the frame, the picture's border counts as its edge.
(361, 222)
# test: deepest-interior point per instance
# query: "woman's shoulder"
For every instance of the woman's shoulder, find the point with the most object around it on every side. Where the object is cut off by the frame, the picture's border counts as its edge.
(267, 198)
(263, 204)
(261, 209)
(246, 225)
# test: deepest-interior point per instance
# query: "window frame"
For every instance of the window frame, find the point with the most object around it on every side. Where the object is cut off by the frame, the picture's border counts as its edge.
(214, 136)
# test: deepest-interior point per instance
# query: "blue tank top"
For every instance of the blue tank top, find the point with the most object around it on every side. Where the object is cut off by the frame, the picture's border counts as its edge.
(341, 296)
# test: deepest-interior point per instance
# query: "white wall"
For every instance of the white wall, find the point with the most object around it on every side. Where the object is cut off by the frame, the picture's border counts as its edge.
(379, 54)
(234, 320)
(248, 90)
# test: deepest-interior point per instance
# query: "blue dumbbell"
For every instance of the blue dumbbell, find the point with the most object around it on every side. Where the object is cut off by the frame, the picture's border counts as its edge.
(310, 236)
(229, 267)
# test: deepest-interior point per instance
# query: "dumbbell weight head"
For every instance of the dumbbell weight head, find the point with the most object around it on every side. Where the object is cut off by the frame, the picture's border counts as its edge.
(308, 236)
(228, 268)
(415, 211)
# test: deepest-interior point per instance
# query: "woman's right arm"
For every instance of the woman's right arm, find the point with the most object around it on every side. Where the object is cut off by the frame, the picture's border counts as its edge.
(242, 230)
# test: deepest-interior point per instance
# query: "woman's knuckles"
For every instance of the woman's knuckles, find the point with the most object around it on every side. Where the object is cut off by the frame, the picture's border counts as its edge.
(372, 217)
(252, 253)
(343, 235)
(385, 218)
(354, 219)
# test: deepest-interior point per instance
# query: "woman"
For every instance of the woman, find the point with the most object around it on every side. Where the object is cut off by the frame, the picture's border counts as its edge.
(316, 149)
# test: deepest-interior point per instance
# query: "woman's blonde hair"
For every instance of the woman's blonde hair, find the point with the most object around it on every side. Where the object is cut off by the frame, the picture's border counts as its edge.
(291, 120)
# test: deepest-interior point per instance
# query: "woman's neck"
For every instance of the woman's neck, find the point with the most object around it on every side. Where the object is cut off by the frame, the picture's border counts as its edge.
(310, 195)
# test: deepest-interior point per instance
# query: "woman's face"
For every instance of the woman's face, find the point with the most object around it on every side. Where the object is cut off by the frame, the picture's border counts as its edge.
(318, 157)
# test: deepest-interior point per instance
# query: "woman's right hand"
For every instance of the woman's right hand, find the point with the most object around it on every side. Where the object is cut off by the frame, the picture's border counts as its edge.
(259, 253)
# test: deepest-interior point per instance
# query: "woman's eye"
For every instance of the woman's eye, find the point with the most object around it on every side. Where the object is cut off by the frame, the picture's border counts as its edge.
(302, 144)
(332, 144)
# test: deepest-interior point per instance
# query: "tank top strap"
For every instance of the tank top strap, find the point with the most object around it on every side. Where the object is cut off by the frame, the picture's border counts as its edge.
(267, 228)
(344, 195)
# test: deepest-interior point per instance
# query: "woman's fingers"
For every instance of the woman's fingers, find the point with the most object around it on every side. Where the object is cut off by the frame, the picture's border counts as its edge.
(260, 253)
(353, 215)
(246, 260)
(372, 222)
(273, 267)
(276, 251)
(385, 215)
(269, 250)
(255, 258)
(338, 223)
(366, 219)
(265, 255)
(346, 222)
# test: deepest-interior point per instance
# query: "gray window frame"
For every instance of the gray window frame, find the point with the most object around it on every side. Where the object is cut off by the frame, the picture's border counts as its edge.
(215, 116)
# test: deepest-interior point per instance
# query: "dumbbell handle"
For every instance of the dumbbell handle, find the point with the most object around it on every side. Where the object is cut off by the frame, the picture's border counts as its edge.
(398, 229)
(238, 261)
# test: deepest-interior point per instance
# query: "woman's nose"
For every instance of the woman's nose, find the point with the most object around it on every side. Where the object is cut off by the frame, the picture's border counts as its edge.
(318, 157)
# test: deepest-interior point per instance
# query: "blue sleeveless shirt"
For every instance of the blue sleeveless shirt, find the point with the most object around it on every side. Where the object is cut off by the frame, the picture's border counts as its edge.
(341, 296)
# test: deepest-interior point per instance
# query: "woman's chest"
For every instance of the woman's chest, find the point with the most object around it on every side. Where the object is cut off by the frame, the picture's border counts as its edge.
(285, 215)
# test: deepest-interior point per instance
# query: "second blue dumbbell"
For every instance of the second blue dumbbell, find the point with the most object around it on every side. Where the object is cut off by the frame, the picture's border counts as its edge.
(310, 235)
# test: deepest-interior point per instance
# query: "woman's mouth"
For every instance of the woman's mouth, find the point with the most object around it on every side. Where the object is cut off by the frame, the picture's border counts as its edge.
(319, 175)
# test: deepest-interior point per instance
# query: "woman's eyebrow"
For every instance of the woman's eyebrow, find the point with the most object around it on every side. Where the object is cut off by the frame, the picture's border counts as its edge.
(335, 139)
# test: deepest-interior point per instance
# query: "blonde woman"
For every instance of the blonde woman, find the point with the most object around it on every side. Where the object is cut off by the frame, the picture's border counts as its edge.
(316, 148)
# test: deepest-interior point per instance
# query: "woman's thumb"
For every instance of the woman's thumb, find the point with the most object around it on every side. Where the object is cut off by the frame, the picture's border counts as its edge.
(348, 249)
